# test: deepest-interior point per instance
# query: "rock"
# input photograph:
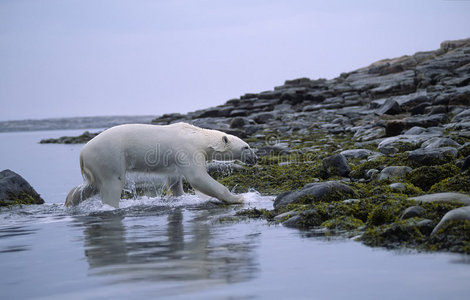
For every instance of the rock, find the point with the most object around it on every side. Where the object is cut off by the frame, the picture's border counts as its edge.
(466, 164)
(81, 139)
(293, 222)
(14, 189)
(356, 153)
(448, 197)
(238, 122)
(438, 142)
(432, 156)
(318, 191)
(390, 107)
(336, 165)
(262, 118)
(288, 214)
(398, 186)
(394, 172)
(458, 214)
(395, 127)
(372, 173)
(462, 116)
(412, 212)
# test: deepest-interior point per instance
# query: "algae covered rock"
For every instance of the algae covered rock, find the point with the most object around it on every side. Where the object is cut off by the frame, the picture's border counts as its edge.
(14, 190)
(318, 191)
(336, 165)
(458, 214)
(444, 198)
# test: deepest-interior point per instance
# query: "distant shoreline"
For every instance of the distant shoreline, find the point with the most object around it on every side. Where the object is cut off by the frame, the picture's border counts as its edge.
(71, 123)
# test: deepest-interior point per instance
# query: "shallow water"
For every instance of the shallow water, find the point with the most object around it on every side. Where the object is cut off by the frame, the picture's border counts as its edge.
(182, 248)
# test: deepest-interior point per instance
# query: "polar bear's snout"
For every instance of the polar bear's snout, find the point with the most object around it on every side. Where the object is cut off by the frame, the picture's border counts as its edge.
(248, 156)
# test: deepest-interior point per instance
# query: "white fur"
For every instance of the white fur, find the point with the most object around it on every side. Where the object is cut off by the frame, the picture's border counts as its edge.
(176, 151)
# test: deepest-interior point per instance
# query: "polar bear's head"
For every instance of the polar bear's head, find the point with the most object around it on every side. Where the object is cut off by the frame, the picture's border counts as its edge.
(230, 147)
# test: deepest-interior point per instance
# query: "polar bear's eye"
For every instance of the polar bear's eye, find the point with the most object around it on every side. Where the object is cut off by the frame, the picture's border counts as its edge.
(246, 148)
(225, 139)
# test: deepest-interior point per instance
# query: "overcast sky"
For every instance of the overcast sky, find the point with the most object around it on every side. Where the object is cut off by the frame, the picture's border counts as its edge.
(63, 58)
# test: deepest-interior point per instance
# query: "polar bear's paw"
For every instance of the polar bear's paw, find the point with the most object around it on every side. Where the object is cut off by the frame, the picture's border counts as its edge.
(235, 199)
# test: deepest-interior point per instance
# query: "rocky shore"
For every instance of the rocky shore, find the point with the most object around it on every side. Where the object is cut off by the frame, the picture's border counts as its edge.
(15, 190)
(380, 154)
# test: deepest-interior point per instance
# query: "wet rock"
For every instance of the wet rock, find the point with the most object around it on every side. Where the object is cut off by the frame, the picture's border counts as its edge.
(448, 197)
(14, 189)
(412, 212)
(318, 191)
(293, 222)
(458, 214)
(394, 172)
(336, 165)
(432, 156)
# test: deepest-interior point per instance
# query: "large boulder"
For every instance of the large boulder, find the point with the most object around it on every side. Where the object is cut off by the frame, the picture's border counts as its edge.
(14, 189)
(318, 191)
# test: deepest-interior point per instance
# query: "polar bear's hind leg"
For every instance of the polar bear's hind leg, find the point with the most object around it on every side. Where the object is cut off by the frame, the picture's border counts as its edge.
(111, 192)
(175, 186)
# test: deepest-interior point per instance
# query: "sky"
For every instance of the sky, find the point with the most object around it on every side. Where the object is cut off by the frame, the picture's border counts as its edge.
(67, 58)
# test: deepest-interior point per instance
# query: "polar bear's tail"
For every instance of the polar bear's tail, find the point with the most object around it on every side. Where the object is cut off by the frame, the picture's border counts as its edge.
(84, 191)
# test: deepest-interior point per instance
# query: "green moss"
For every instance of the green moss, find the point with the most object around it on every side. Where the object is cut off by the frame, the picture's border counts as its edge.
(457, 183)
(343, 223)
(21, 199)
(454, 236)
(426, 176)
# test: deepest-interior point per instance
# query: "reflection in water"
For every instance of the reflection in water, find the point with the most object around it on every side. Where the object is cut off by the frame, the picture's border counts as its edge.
(173, 244)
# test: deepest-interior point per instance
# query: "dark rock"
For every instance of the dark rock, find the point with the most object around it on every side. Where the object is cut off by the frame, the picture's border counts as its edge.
(14, 189)
(252, 129)
(238, 122)
(466, 164)
(409, 102)
(262, 118)
(395, 127)
(81, 139)
(437, 109)
(420, 108)
(432, 156)
(390, 107)
(336, 165)
(293, 222)
(318, 191)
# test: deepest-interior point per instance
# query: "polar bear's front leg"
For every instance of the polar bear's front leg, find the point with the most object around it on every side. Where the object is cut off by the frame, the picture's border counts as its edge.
(201, 181)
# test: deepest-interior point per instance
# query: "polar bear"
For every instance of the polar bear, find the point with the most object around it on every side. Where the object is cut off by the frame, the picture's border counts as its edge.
(176, 151)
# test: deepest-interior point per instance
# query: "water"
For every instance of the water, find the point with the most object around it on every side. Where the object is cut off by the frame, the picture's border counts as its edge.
(181, 248)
